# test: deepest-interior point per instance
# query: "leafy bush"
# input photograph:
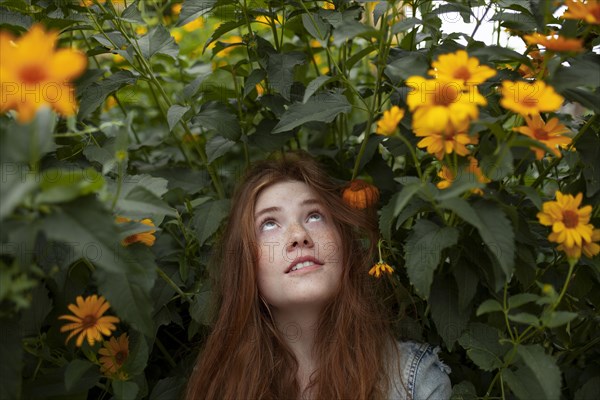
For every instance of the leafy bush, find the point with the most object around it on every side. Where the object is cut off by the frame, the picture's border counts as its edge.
(115, 193)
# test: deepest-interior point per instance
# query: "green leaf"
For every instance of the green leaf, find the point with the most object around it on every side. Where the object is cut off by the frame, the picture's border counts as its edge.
(140, 202)
(200, 307)
(125, 390)
(348, 28)
(493, 226)
(322, 107)
(450, 320)
(15, 187)
(315, 84)
(253, 79)
(464, 182)
(544, 369)
(192, 9)
(27, 143)
(522, 298)
(405, 24)
(423, 252)
(75, 370)
(280, 71)
(60, 185)
(11, 349)
(223, 29)
(482, 343)
(464, 391)
(217, 146)
(94, 96)
(524, 318)
(174, 115)
(138, 354)
(158, 41)
(586, 98)
(410, 64)
(168, 389)
(498, 165)
(217, 116)
(589, 390)
(488, 306)
(208, 217)
(555, 319)
(317, 27)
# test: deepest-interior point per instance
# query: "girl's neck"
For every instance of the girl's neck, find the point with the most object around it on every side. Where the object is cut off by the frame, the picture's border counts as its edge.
(298, 329)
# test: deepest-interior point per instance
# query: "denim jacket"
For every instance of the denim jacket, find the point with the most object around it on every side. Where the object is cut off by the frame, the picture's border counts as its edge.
(422, 377)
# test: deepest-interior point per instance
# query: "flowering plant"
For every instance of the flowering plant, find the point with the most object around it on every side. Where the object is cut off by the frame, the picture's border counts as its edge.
(125, 125)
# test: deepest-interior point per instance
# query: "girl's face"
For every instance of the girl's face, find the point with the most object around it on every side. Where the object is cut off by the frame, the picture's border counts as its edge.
(299, 247)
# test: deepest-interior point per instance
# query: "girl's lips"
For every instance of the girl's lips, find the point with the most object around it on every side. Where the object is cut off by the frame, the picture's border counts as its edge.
(300, 260)
(306, 269)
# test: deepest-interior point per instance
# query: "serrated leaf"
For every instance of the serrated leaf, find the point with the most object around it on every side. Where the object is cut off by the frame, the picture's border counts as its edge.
(423, 251)
(143, 203)
(192, 9)
(223, 29)
(493, 226)
(315, 84)
(158, 40)
(94, 96)
(174, 115)
(488, 306)
(414, 63)
(317, 27)
(405, 25)
(200, 307)
(544, 369)
(216, 116)
(217, 146)
(482, 343)
(280, 71)
(208, 217)
(322, 107)
(450, 320)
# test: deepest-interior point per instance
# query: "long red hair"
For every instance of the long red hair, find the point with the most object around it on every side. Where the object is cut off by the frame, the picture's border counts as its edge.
(245, 356)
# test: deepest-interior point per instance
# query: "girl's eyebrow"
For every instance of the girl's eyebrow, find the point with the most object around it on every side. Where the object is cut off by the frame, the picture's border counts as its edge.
(277, 209)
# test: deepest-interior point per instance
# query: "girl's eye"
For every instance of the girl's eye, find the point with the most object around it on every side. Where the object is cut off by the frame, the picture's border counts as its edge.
(315, 216)
(267, 225)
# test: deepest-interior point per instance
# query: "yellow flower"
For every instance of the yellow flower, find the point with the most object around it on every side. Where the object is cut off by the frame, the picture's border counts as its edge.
(194, 25)
(388, 123)
(570, 224)
(588, 11)
(177, 35)
(328, 5)
(589, 249)
(34, 74)
(379, 269)
(554, 42)
(146, 237)
(529, 98)
(458, 67)
(259, 89)
(549, 133)
(89, 320)
(176, 9)
(436, 104)
(113, 355)
(475, 170)
(537, 60)
(141, 30)
(447, 177)
(447, 141)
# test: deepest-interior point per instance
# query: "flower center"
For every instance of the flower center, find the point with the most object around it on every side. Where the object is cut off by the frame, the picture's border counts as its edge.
(462, 73)
(570, 218)
(446, 94)
(88, 321)
(120, 357)
(32, 74)
(540, 134)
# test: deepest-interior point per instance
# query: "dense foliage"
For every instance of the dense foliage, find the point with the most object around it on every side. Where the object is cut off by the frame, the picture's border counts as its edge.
(126, 124)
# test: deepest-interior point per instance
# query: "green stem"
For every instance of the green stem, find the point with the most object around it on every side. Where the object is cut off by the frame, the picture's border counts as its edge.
(165, 353)
(170, 282)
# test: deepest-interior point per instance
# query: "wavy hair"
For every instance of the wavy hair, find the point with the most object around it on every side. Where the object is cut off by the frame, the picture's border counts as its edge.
(245, 356)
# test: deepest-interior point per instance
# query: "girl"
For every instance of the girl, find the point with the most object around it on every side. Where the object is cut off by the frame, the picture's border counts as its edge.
(297, 316)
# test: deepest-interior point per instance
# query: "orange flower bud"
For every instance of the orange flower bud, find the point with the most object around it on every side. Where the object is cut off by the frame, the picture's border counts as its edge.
(360, 194)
